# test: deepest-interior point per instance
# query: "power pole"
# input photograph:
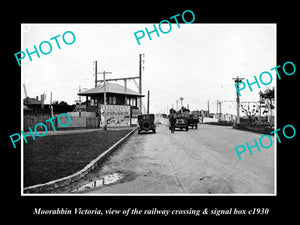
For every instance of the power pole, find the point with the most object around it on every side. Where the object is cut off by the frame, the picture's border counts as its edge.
(208, 108)
(140, 84)
(104, 90)
(219, 112)
(220, 109)
(181, 99)
(43, 97)
(217, 109)
(51, 107)
(125, 79)
(260, 101)
(79, 95)
(237, 80)
(96, 73)
(25, 91)
(148, 102)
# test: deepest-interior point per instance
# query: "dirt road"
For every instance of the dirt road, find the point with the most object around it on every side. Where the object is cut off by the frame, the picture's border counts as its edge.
(199, 161)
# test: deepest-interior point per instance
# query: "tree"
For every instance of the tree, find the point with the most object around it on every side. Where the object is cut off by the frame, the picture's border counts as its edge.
(267, 100)
(267, 94)
(250, 111)
(62, 107)
(63, 103)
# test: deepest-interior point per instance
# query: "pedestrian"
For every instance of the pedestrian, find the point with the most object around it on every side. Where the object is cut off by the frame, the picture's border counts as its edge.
(172, 120)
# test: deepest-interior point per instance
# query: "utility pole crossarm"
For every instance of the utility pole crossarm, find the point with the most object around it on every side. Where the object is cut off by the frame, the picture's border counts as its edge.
(238, 79)
(104, 72)
(116, 79)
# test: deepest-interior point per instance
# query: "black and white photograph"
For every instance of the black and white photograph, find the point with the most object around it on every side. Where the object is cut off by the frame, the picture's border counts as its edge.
(144, 109)
(150, 111)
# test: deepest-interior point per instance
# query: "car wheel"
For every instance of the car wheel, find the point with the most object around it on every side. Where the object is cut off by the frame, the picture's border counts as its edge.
(154, 131)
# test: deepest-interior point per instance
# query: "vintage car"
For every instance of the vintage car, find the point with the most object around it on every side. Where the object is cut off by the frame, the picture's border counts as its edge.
(181, 123)
(146, 123)
(193, 122)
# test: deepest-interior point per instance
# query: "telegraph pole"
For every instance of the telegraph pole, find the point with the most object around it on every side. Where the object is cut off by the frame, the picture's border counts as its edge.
(125, 79)
(95, 73)
(125, 84)
(148, 102)
(237, 80)
(220, 110)
(181, 99)
(51, 107)
(208, 107)
(217, 109)
(104, 90)
(140, 84)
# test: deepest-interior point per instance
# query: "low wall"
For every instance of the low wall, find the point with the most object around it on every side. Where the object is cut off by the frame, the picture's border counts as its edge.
(88, 114)
(82, 114)
(73, 114)
(78, 122)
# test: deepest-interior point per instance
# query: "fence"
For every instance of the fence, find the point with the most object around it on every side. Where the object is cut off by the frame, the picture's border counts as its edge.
(79, 122)
(33, 117)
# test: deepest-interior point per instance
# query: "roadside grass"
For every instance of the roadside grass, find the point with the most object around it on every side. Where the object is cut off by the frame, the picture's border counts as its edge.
(52, 157)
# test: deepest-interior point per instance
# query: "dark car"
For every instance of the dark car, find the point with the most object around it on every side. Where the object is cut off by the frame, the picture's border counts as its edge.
(146, 123)
(193, 122)
(181, 123)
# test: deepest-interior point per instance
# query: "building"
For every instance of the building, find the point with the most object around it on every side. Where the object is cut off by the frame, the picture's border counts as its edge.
(34, 112)
(34, 104)
(122, 103)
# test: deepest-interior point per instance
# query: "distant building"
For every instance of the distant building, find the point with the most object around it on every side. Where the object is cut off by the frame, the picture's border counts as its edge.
(34, 111)
(34, 104)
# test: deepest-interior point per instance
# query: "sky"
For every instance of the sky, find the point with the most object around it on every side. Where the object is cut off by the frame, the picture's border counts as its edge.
(196, 61)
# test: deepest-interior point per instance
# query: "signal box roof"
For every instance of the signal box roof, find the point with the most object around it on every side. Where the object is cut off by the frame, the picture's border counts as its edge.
(110, 88)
